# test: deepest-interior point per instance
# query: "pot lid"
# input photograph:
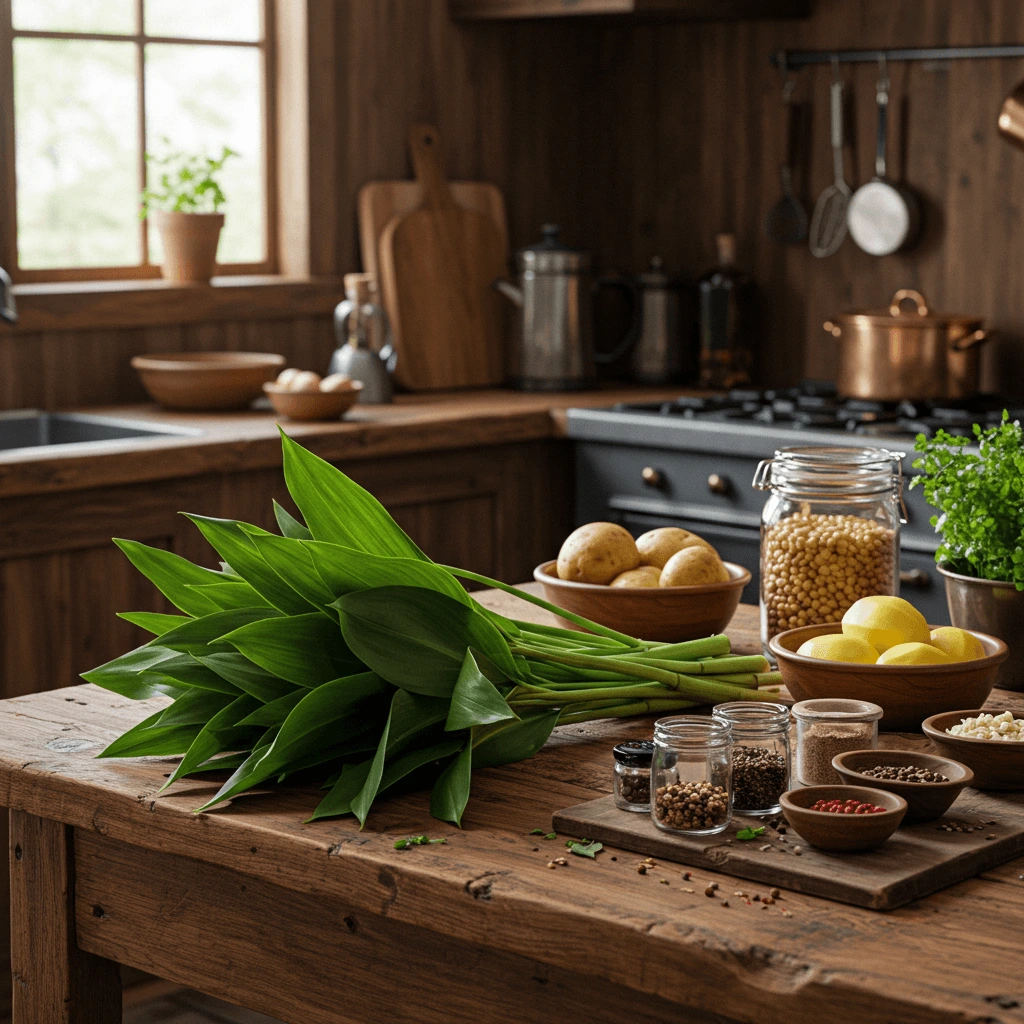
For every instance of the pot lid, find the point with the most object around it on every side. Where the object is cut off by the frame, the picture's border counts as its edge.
(552, 255)
(909, 308)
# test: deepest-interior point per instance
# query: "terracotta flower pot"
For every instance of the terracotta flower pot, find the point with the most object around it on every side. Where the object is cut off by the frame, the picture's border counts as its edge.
(190, 244)
(993, 607)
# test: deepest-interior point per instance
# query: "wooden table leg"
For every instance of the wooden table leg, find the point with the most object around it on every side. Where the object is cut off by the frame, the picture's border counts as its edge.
(54, 981)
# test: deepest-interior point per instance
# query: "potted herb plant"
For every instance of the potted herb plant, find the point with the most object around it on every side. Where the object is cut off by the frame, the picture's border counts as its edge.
(184, 199)
(980, 500)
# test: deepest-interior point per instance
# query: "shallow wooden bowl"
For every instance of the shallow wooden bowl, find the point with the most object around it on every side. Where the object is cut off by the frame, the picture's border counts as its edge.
(843, 831)
(906, 693)
(997, 764)
(207, 380)
(666, 614)
(926, 801)
(313, 405)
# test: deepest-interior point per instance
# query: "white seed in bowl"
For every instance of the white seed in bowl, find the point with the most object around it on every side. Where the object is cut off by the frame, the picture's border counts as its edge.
(991, 727)
(285, 377)
(304, 380)
(336, 382)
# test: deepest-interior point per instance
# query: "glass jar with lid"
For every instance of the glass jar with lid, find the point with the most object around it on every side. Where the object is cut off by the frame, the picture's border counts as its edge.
(690, 774)
(632, 778)
(829, 532)
(827, 726)
(760, 754)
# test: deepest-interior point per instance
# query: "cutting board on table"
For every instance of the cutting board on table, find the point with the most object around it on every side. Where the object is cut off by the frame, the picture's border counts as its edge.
(916, 860)
(436, 266)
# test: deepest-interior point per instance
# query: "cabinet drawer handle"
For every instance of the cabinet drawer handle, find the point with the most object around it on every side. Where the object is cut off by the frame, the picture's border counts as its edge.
(653, 477)
(918, 579)
(718, 484)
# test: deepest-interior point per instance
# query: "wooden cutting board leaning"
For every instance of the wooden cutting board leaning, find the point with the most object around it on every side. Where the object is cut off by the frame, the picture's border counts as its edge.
(436, 263)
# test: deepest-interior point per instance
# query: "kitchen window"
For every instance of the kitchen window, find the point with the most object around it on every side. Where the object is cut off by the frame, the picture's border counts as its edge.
(99, 84)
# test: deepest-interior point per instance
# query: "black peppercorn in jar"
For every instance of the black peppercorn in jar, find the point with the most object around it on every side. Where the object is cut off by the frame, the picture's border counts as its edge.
(760, 754)
(690, 770)
(632, 778)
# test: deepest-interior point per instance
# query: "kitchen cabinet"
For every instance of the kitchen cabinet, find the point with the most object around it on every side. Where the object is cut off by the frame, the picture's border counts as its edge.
(681, 10)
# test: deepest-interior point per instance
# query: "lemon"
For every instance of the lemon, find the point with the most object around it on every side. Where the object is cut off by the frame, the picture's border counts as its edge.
(957, 643)
(837, 647)
(914, 654)
(884, 622)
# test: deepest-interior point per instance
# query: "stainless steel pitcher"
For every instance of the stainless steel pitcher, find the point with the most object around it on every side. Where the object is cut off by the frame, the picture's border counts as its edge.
(658, 356)
(553, 347)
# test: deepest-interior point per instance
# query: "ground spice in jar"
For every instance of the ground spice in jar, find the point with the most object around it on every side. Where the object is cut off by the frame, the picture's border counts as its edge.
(636, 789)
(758, 778)
(632, 778)
(903, 773)
(691, 806)
(821, 741)
(814, 566)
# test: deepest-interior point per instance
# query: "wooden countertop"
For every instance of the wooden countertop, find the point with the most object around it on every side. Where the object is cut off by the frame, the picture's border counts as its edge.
(230, 442)
(954, 956)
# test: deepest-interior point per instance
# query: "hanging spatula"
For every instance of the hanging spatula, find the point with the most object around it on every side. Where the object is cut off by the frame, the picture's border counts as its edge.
(786, 222)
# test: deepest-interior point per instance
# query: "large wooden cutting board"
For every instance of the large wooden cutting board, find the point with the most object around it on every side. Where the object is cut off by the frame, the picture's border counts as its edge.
(917, 860)
(437, 264)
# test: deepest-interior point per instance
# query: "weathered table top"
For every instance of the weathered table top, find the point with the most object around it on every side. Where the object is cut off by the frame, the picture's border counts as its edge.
(955, 956)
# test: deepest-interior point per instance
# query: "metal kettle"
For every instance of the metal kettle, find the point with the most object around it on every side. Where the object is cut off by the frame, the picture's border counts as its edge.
(553, 347)
(364, 349)
(658, 356)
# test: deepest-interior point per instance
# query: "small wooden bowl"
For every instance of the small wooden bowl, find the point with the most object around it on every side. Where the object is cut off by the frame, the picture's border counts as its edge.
(668, 614)
(843, 831)
(313, 405)
(906, 693)
(996, 764)
(206, 380)
(926, 801)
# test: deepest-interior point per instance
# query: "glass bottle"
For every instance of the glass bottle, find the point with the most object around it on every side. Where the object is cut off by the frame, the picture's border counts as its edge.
(632, 777)
(828, 726)
(760, 754)
(728, 321)
(690, 773)
(829, 533)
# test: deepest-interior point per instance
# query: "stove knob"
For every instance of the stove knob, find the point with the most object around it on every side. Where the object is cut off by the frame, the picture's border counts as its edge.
(653, 477)
(719, 484)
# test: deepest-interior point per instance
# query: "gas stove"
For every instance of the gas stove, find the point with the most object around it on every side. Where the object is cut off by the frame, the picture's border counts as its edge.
(690, 462)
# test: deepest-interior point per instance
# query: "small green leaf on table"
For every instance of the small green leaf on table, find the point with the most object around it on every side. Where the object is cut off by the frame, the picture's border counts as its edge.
(584, 847)
(748, 833)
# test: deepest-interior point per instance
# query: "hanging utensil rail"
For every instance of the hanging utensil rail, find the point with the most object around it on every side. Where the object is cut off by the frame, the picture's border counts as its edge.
(788, 60)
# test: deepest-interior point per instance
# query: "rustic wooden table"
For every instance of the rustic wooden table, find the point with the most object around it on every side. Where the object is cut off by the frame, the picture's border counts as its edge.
(318, 923)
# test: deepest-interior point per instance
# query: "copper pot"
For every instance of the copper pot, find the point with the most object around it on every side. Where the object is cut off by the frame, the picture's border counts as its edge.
(888, 355)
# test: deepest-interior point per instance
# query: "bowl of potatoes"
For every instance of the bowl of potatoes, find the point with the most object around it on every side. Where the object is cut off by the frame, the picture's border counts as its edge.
(666, 585)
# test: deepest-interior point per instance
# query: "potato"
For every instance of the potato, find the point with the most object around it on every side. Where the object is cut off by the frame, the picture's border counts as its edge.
(643, 576)
(597, 553)
(285, 377)
(305, 380)
(694, 566)
(336, 382)
(656, 547)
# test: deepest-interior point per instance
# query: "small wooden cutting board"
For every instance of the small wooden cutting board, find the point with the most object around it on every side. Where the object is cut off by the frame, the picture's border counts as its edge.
(437, 264)
(915, 861)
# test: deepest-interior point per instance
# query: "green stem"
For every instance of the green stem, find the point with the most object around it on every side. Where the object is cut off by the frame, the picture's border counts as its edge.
(708, 646)
(716, 666)
(569, 635)
(641, 707)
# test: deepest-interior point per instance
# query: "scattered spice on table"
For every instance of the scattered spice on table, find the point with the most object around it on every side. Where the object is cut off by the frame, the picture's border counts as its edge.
(850, 806)
(759, 778)
(903, 773)
(821, 742)
(692, 806)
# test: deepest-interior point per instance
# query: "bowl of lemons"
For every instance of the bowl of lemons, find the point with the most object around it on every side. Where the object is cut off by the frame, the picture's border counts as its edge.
(884, 651)
(668, 584)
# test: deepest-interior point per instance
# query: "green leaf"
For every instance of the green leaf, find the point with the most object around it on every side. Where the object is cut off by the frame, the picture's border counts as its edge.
(585, 849)
(508, 742)
(194, 636)
(233, 541)
(339, 800)
(291, 560)
(303, 649)
(363, 800)
(232, 592)
(124, 675)
(250, 678)
(150, 739)
(748, 833)
(172, 574)
(153, 622)
(475, 700)
(417, 639)
(290, 526)
(194, 707)
(184, 670)
(338, 510)
(276, 711)
(450, 794)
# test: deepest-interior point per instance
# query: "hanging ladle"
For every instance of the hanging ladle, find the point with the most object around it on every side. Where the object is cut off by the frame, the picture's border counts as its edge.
(786, 222)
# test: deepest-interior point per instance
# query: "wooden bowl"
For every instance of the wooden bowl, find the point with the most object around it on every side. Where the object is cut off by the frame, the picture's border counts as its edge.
(207, 380)
(926, 801)
(313, 405)
(843, 831)
(666, 614)
(996, 764)
(906, 693)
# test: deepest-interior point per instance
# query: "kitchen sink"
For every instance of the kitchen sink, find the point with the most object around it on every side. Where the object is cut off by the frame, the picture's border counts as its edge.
(30, 428)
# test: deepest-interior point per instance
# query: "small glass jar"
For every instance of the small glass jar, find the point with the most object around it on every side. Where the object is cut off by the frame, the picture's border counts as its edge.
(690, 775)
(632, 778)
(829, 533)
(829, 726)
(760, 754)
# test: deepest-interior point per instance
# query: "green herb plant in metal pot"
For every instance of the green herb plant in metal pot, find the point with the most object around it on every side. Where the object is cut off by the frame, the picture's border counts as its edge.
(979, 495)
